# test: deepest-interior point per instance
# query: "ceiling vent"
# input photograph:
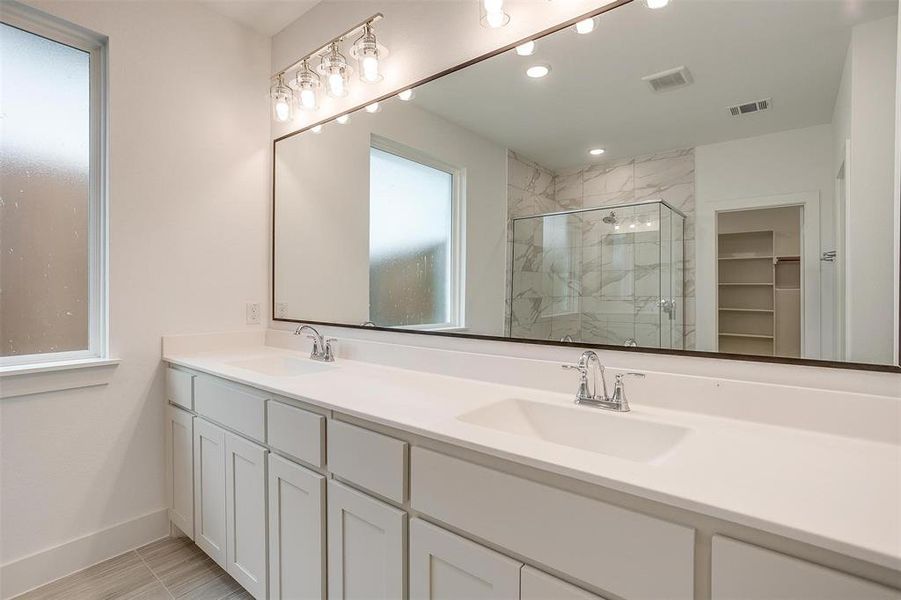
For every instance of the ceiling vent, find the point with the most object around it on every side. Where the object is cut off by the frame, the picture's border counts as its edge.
(670, 79)
(740, 110)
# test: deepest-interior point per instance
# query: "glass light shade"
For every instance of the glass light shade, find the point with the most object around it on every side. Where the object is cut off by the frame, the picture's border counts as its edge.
(343, 119)
(656, 3)
(282, 100)
(373, 108)
(307, 85)
(538, 71)
(492, 14)
(316, 129)
(526, 48)
(367, 52)
(585, 26)
(336, 71)
(406, 95)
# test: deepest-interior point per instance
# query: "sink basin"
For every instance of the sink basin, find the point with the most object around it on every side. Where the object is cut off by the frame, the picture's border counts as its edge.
(282, 366)
(615, 434)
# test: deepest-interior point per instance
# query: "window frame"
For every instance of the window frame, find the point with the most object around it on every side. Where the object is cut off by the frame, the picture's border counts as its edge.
(456, 266)
(57, 30)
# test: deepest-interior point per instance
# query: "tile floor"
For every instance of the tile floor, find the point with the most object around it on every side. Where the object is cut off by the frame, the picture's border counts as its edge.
(163, 570)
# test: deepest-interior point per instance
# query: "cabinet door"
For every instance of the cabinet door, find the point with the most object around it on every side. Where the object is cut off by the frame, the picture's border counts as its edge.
(245, 508)
(180, 469)
(296, 532)
(444, 566)
(541, 586)
(365, 546)
(209, 489)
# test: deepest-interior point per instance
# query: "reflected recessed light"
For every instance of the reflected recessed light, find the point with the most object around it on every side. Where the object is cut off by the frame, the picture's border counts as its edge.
(632, 226)
(317, 129)
(596, 151)
(406, 95)
(656, 3)
(616, 226)
(585, 26)
(648, 223)
(373, 108)
(343, 119)
(538, 71)
(526, 48)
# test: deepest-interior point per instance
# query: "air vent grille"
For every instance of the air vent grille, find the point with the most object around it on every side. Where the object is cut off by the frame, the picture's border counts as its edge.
(739, 110)
(670, 79)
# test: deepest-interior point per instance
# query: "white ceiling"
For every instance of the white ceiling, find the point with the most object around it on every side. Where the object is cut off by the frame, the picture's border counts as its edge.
(736, 50)
(265, 16)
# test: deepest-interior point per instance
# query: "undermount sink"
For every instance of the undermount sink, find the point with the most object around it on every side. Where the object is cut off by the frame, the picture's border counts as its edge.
(615, 434)
(282, 366)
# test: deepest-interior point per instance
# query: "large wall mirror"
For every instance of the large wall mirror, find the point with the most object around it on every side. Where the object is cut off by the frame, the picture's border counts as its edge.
(714, 176)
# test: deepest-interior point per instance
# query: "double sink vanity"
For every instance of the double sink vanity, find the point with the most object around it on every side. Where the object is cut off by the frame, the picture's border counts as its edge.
(352, 479)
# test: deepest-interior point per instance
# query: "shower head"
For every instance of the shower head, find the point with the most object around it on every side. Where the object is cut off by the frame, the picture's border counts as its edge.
(611, 219)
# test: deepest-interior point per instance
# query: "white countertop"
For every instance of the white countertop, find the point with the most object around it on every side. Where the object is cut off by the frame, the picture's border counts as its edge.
(839, 493)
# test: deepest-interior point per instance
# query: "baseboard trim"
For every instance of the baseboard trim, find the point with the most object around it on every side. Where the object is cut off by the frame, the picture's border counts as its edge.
(33, 571)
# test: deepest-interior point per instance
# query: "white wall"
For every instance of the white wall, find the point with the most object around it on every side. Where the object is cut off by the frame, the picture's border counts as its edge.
(322, 182)
(189, 146)
(864, 114)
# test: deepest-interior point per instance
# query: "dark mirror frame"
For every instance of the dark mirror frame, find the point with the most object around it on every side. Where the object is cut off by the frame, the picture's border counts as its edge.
(887, 368)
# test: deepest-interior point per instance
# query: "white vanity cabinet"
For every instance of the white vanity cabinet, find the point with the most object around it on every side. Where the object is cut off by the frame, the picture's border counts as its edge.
(296, 532)
(536, 585)
(209, 489)
(180, 469)
(444, 565)
(366, 554)
(245, 509)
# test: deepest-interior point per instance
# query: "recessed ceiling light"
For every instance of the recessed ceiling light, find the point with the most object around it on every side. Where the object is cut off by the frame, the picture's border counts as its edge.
(373, 108)
(585, 26)
(538, 71)
(343, 119)
(526, 48)
(632, 226)
(406, 95)
(317, 129)
(656, 3)
(596, 151)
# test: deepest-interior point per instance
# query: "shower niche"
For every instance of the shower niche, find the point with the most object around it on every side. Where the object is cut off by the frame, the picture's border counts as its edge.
(605, 275)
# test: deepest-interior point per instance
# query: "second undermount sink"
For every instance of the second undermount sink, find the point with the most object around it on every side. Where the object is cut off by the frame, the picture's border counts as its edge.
(615, 434)
(282, 366)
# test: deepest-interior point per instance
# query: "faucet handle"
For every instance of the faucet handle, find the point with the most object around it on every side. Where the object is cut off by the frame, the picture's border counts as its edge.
(329, 350)
(315, 343)
(621, 376)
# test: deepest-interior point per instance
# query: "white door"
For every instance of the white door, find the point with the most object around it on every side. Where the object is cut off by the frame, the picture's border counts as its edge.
(209, 489)
(180, 468)
(245, 508)
(365, 546)
(541, 586)
(296, 532)
(444, 566)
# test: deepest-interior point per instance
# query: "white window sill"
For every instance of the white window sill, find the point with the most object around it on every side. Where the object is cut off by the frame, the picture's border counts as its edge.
(39, 378)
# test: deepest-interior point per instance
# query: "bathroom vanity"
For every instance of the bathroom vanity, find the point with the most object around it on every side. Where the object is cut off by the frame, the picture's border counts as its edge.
(350, 479)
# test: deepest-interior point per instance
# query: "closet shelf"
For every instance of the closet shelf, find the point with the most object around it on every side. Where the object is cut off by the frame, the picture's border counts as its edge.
(752, 310)
(770, 257)
(746, 335)
(770, 284)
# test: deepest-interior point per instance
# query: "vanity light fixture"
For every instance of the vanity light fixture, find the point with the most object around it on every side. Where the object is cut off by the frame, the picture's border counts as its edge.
(282, 100)
(585, 26)
(368, 51)
(526, 48)
(336, 71)
(596, 151)
(406, 95)
(343, 119)
(654, 4)
(493, 14)
(307, 83)
(373, 108)
(316, 129)
(538, 71)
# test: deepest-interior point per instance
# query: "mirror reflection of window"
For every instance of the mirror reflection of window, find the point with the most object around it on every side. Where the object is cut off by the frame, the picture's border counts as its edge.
(411, 238)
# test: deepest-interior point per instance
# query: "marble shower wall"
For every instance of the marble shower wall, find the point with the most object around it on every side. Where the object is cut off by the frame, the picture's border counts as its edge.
(613, 278)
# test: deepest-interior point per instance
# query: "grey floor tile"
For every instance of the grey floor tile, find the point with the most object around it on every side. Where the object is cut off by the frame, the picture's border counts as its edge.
(113, 579)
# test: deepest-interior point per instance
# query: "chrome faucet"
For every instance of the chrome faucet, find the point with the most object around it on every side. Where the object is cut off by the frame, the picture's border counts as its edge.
(588, 394)
(322, 348)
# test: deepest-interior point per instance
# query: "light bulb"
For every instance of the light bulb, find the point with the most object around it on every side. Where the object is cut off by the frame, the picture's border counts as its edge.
(307, 99)
(526, 48)
(538, 71)
(373, 108)
(282, 110)
(336, 84)
(370, 67)
(585, 26)
(343, 119)
(596, 151)
(316, 129)
(335, 69)
(496, 19)
(493, 6)
(653, 4)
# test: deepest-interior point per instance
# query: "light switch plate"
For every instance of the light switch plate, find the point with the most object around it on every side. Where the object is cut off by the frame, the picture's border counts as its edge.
(252, 313)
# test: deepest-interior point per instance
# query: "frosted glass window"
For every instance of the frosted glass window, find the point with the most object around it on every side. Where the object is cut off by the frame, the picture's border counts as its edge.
(410, 238)
(46, 197)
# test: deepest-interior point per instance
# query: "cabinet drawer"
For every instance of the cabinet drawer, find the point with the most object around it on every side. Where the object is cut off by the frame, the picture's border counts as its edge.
(296, 432)
(371, 460)
(229, 405)
(536, 585)
(180, 388)
(744, 572)
(603, 545)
